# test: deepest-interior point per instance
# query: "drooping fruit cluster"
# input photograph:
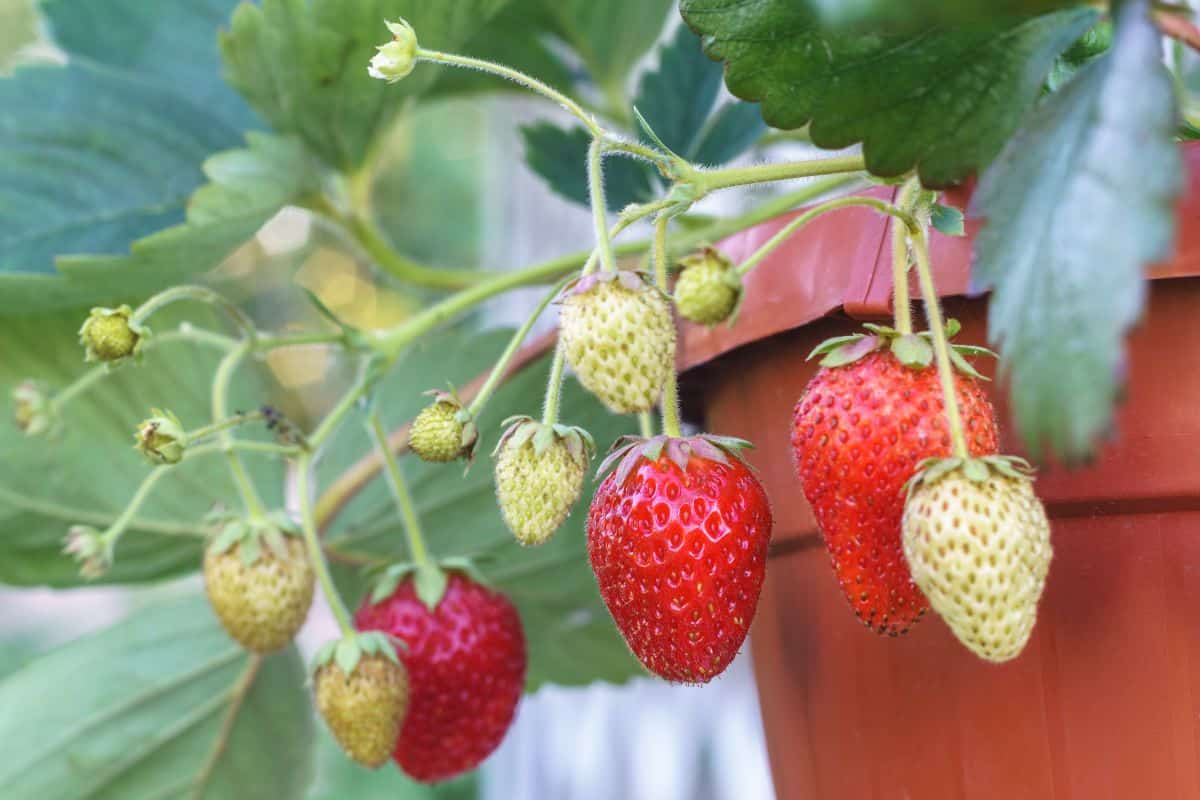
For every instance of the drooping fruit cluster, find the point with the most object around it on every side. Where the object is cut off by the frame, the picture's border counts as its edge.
(361, 689)
(677, 537)
(443, 431)
(860, 430)
(259, 582)
(539, 475)
(708, 288)
(466, 665)
(978, 542)
(619, 337)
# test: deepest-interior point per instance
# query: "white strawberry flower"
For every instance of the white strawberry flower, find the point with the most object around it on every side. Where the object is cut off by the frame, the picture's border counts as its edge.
(397, 58)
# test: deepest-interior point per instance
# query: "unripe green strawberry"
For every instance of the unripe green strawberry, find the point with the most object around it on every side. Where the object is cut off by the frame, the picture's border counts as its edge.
(443, 431)
(361, 691)
(259, 582)
(708, 289)
(110, 335)
(619, 338)
(978, 543)
(539, 476)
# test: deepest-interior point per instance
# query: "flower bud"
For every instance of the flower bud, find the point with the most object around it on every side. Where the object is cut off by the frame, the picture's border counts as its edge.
(161, 439)
(110, 335)
(709, 289)
(32, 410)
(88, 547)
(397, 58)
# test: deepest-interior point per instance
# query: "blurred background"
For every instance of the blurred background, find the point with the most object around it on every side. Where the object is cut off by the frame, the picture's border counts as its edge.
(452, 188)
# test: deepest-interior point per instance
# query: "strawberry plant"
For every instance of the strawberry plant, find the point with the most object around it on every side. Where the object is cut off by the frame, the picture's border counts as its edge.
(136, 172)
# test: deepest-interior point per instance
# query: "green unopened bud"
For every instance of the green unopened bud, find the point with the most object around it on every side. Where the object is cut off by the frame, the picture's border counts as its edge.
(161, 438)
(397, 58)
(708, 289)
(32, 409)
(110, 335)
(90, 549)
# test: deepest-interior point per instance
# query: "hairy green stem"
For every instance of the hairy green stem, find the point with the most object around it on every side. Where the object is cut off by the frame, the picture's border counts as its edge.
(514, 344)
(941, 346)
(711, 180)
(554, 386)
(645, 425)
(516, 77)
(670, 396)
(220, 399)
(315, 555)
(900, 259)
(599, 204)
(198, 293)
(794, 225)
(224, 425)
(343, 407)
(400, 492)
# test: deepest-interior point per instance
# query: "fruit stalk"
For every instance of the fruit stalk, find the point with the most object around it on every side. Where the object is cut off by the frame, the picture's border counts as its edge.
(900, 258)
(941, 348)
(599, 203)
(711, 180)
(320, 566)
(670, 396)
(368, 236)
(882, 206)
(514, 344)
(554, 387)
(220, 395)
(223, 425)
(400, 492)
(201, 294)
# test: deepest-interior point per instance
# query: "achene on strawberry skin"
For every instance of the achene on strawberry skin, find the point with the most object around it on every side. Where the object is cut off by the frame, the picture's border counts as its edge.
(680, 554)
(859, 432)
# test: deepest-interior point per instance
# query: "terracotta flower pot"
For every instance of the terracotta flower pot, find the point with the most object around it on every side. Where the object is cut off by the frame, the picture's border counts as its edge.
(1105, 700)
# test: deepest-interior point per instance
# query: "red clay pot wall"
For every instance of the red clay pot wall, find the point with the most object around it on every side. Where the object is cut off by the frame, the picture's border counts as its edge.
(1105, 701)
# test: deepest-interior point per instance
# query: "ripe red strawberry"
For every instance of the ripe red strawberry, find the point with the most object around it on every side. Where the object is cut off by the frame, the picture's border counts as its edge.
(859, 432)
(466, 669)
(678, 537)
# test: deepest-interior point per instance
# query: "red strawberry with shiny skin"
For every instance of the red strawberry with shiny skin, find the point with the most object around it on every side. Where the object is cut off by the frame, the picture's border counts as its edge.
(466, 668)
(678, 537)
(859, 432)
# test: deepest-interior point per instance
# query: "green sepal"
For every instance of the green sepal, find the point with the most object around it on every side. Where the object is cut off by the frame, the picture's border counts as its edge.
(948, 220)
(250, 550)
(852, 351)
(355, 338)
(829, 344)
(912, 350)
(628, 450)
(250, 535)
(468, 567)
(430, 581)
(521, 429)
(645, 126)
(975, 469)
(388, 579)
(347, 655)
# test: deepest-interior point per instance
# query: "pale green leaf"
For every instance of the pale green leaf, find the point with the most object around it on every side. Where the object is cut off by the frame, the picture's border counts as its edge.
(139, 710)
(1077, 206)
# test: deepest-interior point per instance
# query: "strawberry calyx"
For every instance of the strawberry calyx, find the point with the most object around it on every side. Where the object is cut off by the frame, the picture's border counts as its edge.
(633, 280)
(522, 429)
(252, 534)
(469, 430)
(350, 649)
(913, 350)
(977, 470)
(430, 578)
(628, 450)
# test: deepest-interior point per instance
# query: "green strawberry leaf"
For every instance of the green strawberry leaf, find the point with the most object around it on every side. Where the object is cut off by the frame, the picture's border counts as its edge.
(889, 15)
(1076, 207)
(138, 108)
(87, 473)
(168, 42)
(678, 103)
(160, 705)
(303, 65)
(339, 778)
(957, 94)
(948, 220)
(571, 637)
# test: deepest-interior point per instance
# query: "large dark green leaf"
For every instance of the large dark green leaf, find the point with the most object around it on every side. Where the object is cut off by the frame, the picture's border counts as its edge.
(163, 705)
(943, 100)
(571, 638)
(303, 64)
(870, 14)
(171, 42)
(559, 156)
(1077, 206)
(89, 472)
